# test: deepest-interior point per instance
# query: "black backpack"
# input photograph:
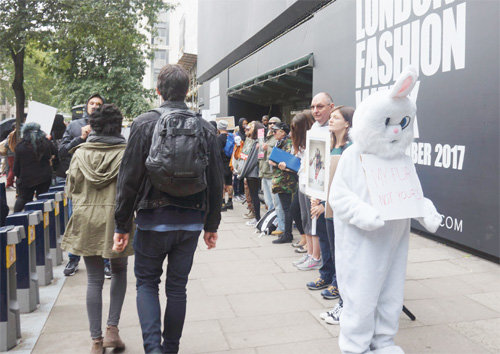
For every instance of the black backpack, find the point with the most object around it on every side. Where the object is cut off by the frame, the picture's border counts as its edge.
(178, 155)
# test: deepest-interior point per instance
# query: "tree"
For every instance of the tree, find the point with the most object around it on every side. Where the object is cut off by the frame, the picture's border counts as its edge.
(22, 21)
(89, 39)
(103, 49)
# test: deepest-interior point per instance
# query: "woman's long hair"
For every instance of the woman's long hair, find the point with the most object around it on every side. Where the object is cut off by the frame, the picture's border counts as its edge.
(256, 126)
(301, 123)
(346, 112)
(35, 137)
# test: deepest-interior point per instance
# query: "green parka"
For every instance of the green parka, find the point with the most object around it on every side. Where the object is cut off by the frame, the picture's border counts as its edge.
(91, 185)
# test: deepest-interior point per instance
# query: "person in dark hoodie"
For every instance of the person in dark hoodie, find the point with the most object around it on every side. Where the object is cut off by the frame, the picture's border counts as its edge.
(76, 133)
(91, 183)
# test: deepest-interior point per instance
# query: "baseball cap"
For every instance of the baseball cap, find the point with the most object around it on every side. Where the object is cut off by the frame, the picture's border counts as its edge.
(282, 126)
(274, 120)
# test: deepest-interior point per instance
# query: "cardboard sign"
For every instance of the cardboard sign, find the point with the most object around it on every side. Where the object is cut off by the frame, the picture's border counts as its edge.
(260, 136)
(42, 114)
(394, 187)
(317, 163)
(229, 120)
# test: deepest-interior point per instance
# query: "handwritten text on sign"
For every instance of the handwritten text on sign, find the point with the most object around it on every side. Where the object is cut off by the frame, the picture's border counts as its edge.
(394, 187)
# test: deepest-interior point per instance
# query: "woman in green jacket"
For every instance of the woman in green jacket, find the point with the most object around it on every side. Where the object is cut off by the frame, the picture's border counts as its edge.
(91, 184)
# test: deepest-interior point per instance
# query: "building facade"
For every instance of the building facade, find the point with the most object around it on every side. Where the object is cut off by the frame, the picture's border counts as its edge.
(270, 57)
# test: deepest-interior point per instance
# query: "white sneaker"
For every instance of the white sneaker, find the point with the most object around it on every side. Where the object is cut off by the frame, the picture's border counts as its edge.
(333, 317)
(310, 264)
(252, 222)
(301, 260)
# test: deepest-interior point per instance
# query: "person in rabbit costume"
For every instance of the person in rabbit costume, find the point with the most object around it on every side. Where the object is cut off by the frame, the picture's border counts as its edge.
(371, 253)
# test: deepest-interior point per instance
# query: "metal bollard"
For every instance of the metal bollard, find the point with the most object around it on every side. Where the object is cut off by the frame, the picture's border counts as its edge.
(28, 294)
(10, 324)
(43, 257)
(55, 225)
(64, 212)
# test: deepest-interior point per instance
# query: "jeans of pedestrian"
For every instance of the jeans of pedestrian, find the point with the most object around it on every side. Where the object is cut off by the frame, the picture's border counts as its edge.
(253, 186)
(95, 282)
(238, 186)
(331, 240)
(268, 195)
(295, 210)
(280, 214)
(327, 270)
(151, 249)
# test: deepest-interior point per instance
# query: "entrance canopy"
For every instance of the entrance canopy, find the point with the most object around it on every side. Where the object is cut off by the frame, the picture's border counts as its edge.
(286, 84)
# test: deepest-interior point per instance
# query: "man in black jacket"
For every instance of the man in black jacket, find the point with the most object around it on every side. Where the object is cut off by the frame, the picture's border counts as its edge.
(166, 225)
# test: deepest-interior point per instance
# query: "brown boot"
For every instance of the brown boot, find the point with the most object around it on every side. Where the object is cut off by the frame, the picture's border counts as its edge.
(97, 346)
(112, 338)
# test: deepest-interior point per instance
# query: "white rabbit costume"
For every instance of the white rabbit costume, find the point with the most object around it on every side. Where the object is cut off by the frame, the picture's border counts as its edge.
(371, 254)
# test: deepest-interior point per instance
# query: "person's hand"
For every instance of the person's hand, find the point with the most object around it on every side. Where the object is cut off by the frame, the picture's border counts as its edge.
(282, 165)
(120, 242)
(210, 239)
(85, 132)
(264, 147)
(48, 136)
(317, 210)
(272, 163)
(315, 202)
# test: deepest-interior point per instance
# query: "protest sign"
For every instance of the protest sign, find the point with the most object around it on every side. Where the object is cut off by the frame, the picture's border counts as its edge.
(229, 120)
(42, 114)
(394, 187)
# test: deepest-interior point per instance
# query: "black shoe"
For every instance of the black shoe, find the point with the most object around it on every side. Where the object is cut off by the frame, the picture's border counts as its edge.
(107, 271)
(284, 239)
(223, 207)
(71, 268)
(229, 205)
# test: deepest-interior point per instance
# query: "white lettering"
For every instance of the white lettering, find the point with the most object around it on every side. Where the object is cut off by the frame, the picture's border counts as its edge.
(420, 7)
(385, 71)
(402, 11)
(401, 49)
(371, 17)
(360, 30)
(386, 12)
(371, 74)
(431, 55)
(360, 63)
(454, 38)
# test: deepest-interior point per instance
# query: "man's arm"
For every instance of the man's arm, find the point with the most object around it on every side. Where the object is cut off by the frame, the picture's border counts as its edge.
(215, 184)
(69, 141)
(130, 178)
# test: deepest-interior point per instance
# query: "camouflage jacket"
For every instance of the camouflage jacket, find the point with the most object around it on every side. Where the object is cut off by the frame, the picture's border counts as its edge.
(284, 181)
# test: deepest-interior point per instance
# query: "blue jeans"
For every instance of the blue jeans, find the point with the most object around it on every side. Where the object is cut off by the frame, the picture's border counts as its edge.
(327, 270)
(280, 213)
(151, 249)
(268, 195)
(330, 232)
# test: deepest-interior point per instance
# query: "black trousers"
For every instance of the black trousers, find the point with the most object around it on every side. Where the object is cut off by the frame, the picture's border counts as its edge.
(253, 186)
(25, 194)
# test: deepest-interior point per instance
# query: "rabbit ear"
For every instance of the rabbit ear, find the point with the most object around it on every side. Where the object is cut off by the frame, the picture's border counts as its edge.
(405, 83)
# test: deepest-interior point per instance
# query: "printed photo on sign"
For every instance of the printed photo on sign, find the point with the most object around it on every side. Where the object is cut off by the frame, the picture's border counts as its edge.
(317, 160)
(394, 187)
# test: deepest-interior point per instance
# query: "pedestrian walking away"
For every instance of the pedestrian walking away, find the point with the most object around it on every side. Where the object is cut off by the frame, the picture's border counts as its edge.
(169, 219)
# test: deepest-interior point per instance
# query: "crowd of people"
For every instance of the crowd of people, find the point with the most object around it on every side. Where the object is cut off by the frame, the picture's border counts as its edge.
(284, 190)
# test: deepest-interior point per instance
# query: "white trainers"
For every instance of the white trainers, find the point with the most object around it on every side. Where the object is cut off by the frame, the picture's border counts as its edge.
(301, 260)
(333, 316)
(310, 264)
(252, 222)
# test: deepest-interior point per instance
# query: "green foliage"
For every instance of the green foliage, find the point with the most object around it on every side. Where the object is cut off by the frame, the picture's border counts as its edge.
(77, 47)
(102, 49)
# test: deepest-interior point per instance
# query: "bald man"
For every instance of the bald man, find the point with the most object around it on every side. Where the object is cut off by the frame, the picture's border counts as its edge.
(321, 107)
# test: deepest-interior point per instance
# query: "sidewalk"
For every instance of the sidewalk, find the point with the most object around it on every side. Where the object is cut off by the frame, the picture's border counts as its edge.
(246, 297)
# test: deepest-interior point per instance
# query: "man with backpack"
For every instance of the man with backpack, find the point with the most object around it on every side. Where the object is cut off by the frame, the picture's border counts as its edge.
(225, 142)
(176, 193)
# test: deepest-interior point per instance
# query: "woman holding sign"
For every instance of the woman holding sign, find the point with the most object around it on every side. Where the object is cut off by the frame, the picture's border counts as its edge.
(339, 124)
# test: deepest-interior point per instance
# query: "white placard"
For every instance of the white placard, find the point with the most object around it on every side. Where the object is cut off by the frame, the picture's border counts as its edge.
(215, 105)
(394, 187)
(214, 88)
(205, 113)
(42, 114)
(317, 162)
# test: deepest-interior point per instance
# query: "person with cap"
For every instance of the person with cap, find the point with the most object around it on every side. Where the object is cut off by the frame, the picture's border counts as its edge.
(265, 170)
(76, 133)
(222, 140)
(284, 180)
